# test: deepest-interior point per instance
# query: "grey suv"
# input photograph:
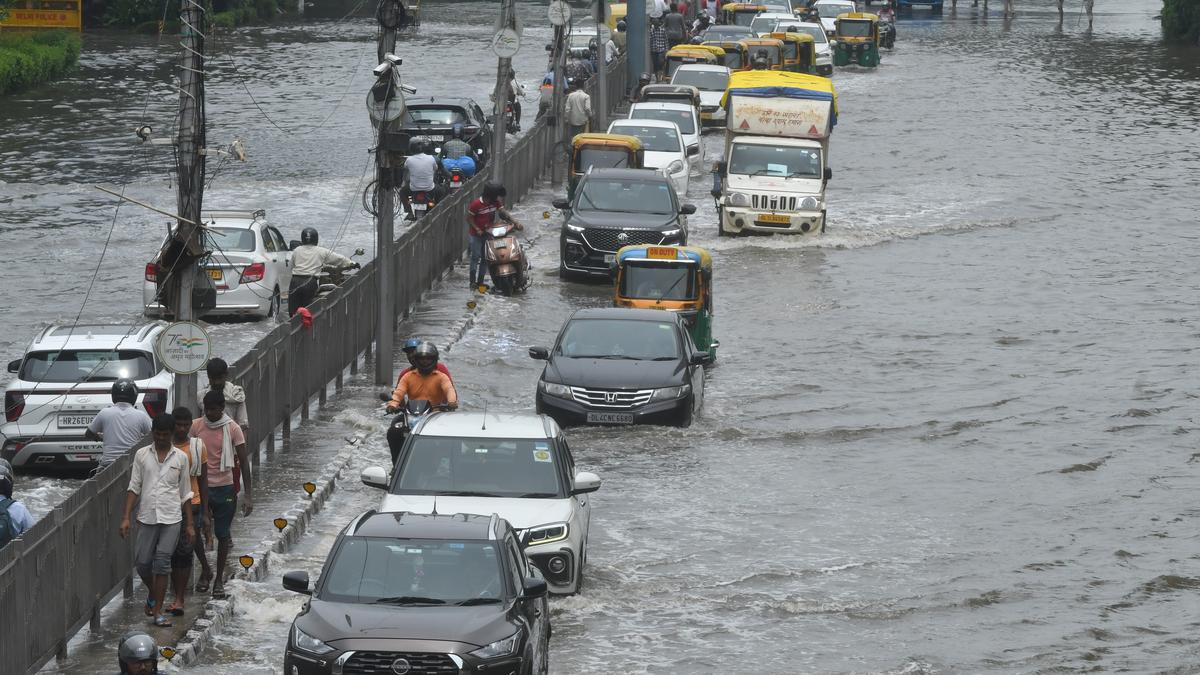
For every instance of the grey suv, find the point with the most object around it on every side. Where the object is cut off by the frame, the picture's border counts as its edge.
(420, 594)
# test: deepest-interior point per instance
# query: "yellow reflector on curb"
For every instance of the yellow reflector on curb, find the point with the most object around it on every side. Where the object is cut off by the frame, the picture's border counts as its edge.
(247, 561)
(167, 653)
(310, 487)
(280, 523)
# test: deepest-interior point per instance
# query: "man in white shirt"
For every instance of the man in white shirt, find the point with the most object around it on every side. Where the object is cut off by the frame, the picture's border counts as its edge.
(120, 426)
(160, 483)
(610, 51)
(421, 170)
(307, 261)
(578, 110)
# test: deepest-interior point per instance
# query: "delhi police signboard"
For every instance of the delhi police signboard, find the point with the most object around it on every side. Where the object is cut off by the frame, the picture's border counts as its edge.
(44, 14)
(184, 347)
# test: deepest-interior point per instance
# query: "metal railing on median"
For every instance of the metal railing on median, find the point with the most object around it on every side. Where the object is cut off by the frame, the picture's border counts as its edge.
(56, 577)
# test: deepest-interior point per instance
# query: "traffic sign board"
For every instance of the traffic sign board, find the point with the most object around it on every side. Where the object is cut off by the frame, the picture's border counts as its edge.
(184, 347)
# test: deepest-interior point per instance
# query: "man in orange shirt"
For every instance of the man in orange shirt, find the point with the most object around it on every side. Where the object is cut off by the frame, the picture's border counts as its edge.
(426, 383)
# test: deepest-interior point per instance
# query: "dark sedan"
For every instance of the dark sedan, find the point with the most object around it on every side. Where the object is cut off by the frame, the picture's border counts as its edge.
(433, 120)
(615, 208)
(622, 366)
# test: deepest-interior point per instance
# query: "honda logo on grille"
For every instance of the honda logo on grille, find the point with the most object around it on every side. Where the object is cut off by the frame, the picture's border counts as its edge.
(610, 397)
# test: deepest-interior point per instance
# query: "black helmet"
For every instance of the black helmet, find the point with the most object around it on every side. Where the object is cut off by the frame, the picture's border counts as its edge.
(457, 130)
(425, 358)
(621, 25)
(493, 191)
(136, 646)
(644, 78)
(309, 236)
(6, 479)
(124, 391)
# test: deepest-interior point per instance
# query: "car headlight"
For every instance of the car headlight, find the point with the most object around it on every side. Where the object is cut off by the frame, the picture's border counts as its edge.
(308, 643)
(559, 390)
(574, 228)
(738, 199)
(499, 648)
(675, 167)
(810, 203)
(545, 534)
(672, 233)
(671, 393)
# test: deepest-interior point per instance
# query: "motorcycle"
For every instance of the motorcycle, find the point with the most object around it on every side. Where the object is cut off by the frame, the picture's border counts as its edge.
(423, 202)
(457, 178)
(510, 120)
(331, 277)
(887, 29)
(402, 424)
(506, 260)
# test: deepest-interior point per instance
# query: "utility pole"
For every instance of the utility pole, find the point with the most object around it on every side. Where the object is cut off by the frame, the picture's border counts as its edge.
(556, 106)
(505, 44)
(392, 16)
(637, 47)
(187, 244)
(600, 111)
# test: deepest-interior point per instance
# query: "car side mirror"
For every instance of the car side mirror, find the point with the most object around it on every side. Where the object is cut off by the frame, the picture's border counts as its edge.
(585, 482)
(693, 150)
(296, 582)
(561, 204)
(293, 245)
(687, 209)
(539, 353)
(374, 476)
(828, 173)
(533, 588)
(701, 359)
(14, 366)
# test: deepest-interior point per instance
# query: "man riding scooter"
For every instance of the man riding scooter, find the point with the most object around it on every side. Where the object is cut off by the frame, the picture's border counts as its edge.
(409, 349)
(456, 153)
(307, 261)
(425, 383)
(421, 171)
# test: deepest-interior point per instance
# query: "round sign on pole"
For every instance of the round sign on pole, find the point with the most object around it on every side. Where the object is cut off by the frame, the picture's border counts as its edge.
(560, 13)
(184, 347)
(506, 42)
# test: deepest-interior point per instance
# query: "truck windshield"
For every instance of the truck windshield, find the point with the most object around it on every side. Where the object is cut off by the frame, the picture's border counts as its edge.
(704, 80)
(627, 196)
(647, 280)
(770, 160)
(91, 365)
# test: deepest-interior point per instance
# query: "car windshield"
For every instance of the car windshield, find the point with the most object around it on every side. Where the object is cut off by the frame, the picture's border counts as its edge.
(848, 28)
(628, 196)
(72, 365)
(434, 116)
(684, 118)
(604, 158)
(619, 339)
(733, 33)
(704, 80)
(743, 18)
(400, 572)
(830, 10)
(654, 139)
(479, 467)
(770, 160)
(231, 239)
(649, 280)
(818, 35)
(762, 25)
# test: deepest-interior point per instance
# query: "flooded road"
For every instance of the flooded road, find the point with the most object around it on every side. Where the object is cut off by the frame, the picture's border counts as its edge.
(955, 434)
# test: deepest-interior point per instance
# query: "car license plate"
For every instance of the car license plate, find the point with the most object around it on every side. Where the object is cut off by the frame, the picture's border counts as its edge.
(609, 258)
(436, 139)
(775, 218)
(609, 418)
(215, 275)
(419, 206)
(68, 421)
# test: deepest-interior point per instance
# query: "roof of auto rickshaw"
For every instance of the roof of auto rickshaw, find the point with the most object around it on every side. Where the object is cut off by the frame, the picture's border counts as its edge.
(697, 51)
(791, 37)
(858, 16)
(742, 7)
(611, 140)
(725, 45)
(781, 83)
(762, 42)
(692, 254)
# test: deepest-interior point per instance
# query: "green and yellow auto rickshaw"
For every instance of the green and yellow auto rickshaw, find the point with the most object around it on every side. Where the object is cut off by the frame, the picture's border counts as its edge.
(674, 278)
(607, 151)
(857, 35)
(735, 57)
(740, 13)
(799, 52)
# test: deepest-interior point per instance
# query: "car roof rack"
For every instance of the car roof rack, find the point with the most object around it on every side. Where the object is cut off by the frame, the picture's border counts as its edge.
(255, 214)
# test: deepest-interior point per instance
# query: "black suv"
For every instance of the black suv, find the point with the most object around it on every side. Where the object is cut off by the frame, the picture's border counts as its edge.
(622, 366)
(421, 594)
(433, 120)
(615, 208)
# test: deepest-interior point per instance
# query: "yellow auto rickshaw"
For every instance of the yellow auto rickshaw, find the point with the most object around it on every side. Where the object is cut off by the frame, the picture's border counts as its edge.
(674, 278)
(772, 47)
(607, 151)
(616, 12)
(735, 57)
(671, 93)
(799, 52)
(681, 54)
(857, 35)
(740, 13)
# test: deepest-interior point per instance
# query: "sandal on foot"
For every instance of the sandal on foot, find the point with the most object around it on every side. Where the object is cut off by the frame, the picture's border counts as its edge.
(202, 584)
(163, 621)
(218, 592)
(149, 607)
(175, 610)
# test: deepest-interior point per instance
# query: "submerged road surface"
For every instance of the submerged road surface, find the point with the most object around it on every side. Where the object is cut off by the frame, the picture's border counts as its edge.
(955, 434)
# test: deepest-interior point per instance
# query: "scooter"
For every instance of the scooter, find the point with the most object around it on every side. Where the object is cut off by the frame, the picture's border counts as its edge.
(510, 120)
(423, 202)
(887, 34)
(403, 424)
(506, 260)
(457, 178)
(331, 277)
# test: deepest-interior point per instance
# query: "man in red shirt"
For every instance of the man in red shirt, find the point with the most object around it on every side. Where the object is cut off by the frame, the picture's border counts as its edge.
(481, 217)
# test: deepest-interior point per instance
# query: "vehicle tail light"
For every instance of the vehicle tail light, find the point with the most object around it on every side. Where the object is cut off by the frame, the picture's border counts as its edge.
(14, 405)
(154, 402)
(152, 272)
(254, 272)
(455, 178)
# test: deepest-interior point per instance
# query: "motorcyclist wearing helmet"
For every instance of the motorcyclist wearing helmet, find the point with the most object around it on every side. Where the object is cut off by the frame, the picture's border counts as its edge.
(137, 654)
(643, 80)
(410, 348)
(457, 153)
(425, 382)
(19, 519)
(307, 260)
(122, 425)
(481, 217)
(761, 60)
(420, 175)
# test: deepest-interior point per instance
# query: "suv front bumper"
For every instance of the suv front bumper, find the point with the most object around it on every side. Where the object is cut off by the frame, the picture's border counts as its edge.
(299, 662)
(736, 220)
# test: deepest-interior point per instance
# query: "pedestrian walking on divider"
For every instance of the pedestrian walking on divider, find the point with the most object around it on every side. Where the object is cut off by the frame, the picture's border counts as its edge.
(121, 426)
(578, 109)
(181, 560)
(658, 47)
(225, 447)
(159, 484)
(15, 519)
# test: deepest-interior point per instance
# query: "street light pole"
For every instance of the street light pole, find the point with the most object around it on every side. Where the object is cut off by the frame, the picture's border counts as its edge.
(391, 16)
(505, 43)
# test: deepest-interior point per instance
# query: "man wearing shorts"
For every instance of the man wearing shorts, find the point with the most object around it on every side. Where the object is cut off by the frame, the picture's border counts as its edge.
(225, 446)
(159, 483)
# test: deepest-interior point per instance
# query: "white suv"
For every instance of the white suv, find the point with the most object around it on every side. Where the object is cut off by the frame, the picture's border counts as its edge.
(251, 266)
(64, 379)
(517, 466)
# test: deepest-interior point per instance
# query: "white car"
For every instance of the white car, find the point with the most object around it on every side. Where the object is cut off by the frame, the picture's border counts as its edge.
(684, 116)
(64, 379)
(828, 10)
(517, 466)
(821, 43)
(663, 146)
(711, 81)
(765, 23)
(250, 266)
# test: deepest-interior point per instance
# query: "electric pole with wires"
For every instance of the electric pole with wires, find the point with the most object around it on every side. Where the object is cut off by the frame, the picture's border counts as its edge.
(505, 43)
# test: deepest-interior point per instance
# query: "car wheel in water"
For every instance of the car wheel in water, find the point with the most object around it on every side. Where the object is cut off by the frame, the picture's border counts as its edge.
(685, 418)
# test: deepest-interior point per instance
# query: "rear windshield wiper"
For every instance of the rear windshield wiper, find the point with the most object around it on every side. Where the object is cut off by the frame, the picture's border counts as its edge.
(409, 600)
(478, 601)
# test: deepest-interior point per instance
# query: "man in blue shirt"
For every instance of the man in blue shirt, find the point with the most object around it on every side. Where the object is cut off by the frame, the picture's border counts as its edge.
(18, 519)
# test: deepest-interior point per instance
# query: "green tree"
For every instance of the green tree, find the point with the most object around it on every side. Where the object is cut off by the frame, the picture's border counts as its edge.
(1181, 19)
(5, 5)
